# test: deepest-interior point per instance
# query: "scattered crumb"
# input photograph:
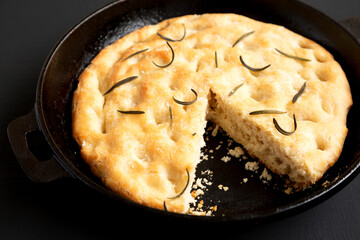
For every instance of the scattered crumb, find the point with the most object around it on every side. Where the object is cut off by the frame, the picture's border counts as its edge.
(230, 142)
(200, 186)
(201, 204)
(236, 152)
(288, 190)
(252, 166)
(207, 182)
(206, 207)
(225, 158)
(207, 172)
(265, 175)
(215, 131)
(203, 156)
(222, 187)
(325, 183)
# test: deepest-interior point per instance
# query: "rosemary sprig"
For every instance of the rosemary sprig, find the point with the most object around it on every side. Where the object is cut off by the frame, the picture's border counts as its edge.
(251, 68)
(299, 93)
(126, 80)
(173, 40)
(131, 112)
(242, 37)
(235, 89)
(266, 112)
(134, 54)
(189, 102)
(292, 56)
(282, 131)
(172, 57)
(187, 183)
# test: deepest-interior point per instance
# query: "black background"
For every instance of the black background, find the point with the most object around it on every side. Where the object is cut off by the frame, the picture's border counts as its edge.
(67, 209)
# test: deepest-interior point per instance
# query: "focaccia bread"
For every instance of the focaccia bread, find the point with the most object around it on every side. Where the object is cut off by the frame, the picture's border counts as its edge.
(141, 106)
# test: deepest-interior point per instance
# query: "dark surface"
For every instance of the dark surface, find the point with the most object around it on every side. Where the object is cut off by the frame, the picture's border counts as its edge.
(253, 200)
(67, 208)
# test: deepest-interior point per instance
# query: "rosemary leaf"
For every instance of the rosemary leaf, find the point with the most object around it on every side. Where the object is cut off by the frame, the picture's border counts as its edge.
(189, 102)
(164, 204)
(131, 112)
(235, 89)
(299, 93)
(266, 112)
(172, 58)
(187, 183)
(171, 117)
(173, 40)
(251, 68)
(126, 80)
(216, 61)
(134, 54)
(282, 131)
(293, 57)
(242, 37)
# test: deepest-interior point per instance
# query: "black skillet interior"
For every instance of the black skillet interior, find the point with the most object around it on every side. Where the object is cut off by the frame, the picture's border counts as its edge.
(242, 201)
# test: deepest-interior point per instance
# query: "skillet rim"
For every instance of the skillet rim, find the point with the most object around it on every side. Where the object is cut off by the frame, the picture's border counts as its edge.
(288, 209)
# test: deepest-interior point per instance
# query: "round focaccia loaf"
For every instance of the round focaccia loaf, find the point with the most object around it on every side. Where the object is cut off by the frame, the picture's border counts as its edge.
(145, 145)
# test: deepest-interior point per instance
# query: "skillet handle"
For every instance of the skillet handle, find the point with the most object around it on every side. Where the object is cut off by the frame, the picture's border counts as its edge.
(352, 24)
(37, 171)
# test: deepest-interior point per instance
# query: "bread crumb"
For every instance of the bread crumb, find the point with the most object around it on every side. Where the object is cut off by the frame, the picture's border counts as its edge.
(197, 213)
(198, 184)
(325, 184)
(225, 158)
(203, 156)
(265, 175)
(288, 190)
(236, 152)
(245, 180)
(215, 131)
(207, 182)
(222, 187)
(199, 187)
(252, 166)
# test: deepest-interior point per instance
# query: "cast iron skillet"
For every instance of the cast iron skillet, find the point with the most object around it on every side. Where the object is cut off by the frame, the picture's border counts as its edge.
(243, 202)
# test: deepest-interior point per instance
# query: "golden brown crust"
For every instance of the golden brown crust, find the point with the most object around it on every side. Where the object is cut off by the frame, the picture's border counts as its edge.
(144, 157)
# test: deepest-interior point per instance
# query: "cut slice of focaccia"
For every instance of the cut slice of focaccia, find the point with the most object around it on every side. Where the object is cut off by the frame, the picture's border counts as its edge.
(141, 106)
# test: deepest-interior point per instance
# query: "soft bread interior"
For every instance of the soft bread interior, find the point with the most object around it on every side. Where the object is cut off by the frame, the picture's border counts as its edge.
(255, 140)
